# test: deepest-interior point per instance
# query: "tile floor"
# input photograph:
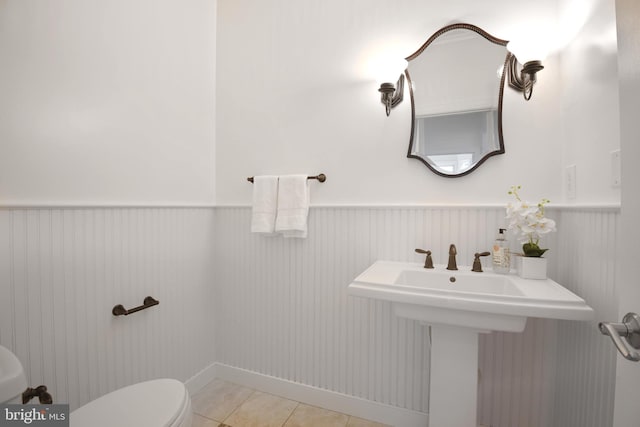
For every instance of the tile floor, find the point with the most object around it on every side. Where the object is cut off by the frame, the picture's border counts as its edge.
(224, 404)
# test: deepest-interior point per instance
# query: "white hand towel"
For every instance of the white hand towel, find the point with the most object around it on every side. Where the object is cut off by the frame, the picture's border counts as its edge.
(265, 203)
(293, 205)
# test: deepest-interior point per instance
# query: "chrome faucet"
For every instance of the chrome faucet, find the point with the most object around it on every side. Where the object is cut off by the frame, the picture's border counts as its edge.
(452, 258)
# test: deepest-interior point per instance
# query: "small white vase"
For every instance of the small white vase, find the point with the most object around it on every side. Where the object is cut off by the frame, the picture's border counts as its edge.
(532, 267)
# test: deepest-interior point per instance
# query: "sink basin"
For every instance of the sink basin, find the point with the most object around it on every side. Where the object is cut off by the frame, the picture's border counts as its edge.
(484, 301)
(459, 305)
(457, 282)
(12, 379)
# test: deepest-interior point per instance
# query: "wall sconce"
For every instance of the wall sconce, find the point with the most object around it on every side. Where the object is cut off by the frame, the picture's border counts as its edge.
(390, 94)
(532, 57)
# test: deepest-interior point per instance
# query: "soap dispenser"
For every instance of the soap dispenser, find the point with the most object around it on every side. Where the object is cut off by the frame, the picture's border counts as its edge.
(501, 258)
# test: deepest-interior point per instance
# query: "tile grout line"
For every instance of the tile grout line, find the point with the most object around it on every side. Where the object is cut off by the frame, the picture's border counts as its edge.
(206, 417)
(253, 391)
(291, 414)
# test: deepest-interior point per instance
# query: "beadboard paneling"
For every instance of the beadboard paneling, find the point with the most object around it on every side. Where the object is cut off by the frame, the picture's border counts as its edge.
(279, 307)
(283, 310)
(62, 271)
(588, 253)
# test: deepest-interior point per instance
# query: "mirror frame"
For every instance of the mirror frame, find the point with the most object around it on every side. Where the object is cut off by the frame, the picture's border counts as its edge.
(490, 38)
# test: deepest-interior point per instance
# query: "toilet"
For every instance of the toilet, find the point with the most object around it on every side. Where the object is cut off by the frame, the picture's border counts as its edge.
(12, 379)
(156, 403)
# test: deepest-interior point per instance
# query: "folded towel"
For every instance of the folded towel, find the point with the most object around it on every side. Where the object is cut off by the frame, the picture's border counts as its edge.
(265, 203)
(293, 206)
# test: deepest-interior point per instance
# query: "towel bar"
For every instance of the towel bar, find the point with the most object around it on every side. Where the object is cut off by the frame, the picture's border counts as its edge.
(322, 178)
(119, 309)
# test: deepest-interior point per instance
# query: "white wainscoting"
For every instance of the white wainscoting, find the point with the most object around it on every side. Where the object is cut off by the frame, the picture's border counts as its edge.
(587, 244)
(283, 311)
(62, 271)
(278, 308)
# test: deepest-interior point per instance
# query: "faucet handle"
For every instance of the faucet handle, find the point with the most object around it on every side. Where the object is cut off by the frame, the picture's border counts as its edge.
(477, 265)
(428, 262)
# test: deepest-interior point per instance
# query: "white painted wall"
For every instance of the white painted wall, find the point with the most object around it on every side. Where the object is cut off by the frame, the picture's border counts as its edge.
(107, 102)
(589, 98)
(105, 107)
(306, 100)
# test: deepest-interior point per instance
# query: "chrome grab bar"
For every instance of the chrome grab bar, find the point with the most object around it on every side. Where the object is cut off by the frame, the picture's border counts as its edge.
(628, 329)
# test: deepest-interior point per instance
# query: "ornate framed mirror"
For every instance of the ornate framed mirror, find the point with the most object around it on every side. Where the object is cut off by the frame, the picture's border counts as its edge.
(456, 84)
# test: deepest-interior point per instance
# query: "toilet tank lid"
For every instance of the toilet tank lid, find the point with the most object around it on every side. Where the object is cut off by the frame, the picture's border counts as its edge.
(156, 403)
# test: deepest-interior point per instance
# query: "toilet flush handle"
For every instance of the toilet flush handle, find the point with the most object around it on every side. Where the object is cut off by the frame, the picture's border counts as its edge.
(40, 392)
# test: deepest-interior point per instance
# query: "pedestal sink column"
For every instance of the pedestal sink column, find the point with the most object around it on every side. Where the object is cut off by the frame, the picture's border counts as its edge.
(453, 385)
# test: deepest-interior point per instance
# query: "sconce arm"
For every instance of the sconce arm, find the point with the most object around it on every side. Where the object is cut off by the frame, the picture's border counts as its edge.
(523, 80)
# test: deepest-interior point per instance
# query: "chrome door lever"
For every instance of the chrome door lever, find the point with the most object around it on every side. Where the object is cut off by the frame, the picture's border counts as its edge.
(628, 329)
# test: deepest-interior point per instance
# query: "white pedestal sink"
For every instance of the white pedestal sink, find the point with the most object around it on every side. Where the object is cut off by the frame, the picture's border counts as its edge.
(459, 305)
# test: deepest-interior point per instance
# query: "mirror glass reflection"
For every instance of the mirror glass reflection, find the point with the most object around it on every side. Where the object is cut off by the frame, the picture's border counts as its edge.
(456, 81)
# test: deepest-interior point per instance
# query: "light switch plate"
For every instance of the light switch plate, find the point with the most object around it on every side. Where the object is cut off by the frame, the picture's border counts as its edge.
(570, 181)
(616, 176)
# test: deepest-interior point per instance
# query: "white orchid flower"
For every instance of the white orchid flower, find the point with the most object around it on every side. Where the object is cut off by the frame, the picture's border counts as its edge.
(528, 220)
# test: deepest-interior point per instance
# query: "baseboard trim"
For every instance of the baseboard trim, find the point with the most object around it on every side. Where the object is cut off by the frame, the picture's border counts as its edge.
(201, 379)
(355, 406)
